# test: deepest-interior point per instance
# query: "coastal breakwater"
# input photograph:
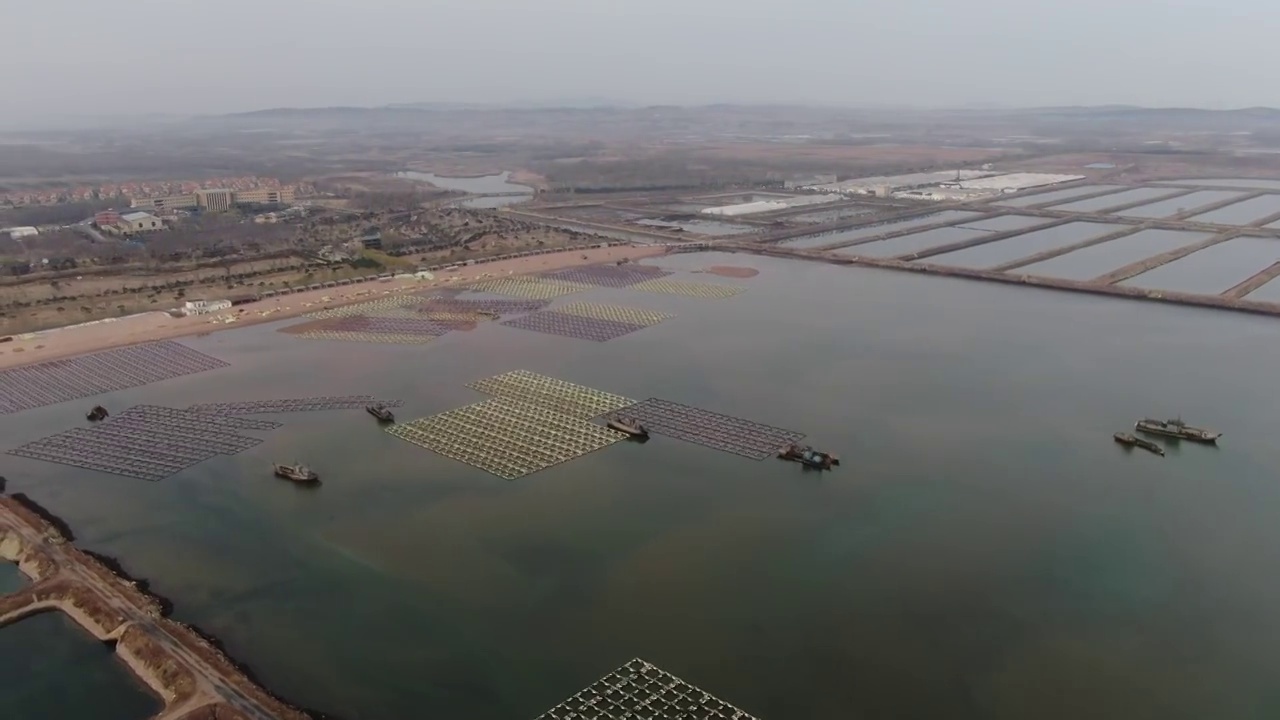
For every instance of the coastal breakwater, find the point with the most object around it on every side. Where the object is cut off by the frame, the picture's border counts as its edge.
(1219, 302)
(187, 669)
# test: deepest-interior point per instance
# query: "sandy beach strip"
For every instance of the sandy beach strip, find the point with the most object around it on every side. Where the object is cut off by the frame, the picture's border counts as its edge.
(69, 342)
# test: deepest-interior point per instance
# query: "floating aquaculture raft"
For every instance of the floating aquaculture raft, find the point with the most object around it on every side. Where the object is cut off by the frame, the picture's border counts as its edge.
(393, 325)
(409, 328)
(642, 691)
(553, 322)
(528, 287)
(475, 307)
(55, 381)
(254, 407)
(405, 319)
(565, 397)
(381, 305)
(689, 289)
(507, 437)
(614, 276)
(710, 429)
(367, 337)
(147, 442)
(614, 313)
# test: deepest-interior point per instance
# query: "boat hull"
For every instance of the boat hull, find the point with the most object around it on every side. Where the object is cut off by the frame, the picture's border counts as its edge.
(812, 459)
(637, 433)
(288, 474)
(1203, 436)
(1133, 441)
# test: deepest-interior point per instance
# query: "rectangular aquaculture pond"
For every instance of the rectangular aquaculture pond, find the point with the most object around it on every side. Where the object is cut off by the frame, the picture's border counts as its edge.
(1025, 245)
(839, 236)
(1213, 270)
(1088, 263)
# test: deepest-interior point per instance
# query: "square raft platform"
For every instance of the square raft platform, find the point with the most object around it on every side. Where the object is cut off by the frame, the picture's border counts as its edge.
(641, 690)
(147, 442)
(527, 287)
(55, 381)
(710, 429)
(689, 289)
(554, 322)
(565, 397)
(506, 437)
(610, 276)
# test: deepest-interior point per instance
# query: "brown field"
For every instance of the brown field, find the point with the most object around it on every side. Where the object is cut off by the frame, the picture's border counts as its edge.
(158, 326)
(1141, 167)
(102, 296)
(93, 284)
(921, 155)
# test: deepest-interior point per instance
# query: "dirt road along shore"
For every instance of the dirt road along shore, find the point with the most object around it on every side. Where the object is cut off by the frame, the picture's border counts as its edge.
(71, 341)
(191, 676)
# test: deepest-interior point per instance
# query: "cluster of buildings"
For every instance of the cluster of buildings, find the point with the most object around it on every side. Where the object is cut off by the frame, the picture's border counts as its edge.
(17, 233)
(797, 183)
(138, 189)
(145, 214)
(782, 202)
(217, 199)
(949, 185)
(203, 307)
(115, 222)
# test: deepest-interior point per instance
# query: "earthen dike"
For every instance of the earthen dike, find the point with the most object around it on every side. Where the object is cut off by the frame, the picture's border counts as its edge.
(195, 679)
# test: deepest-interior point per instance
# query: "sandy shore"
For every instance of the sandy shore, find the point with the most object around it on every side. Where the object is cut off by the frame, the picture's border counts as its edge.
(61, 343)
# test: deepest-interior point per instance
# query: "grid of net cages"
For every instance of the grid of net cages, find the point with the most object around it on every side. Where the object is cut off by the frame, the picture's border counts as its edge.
(506, 437)
(391, 325)
(615, 313)
(147, 442)
(642, 691)
(370, 307)
(709, 429)
(564, 397)
(56, 381)
(288, 405)
(478, 308)
(612, 276)
(528, 287)
(367, 337)
(706, 291)
(554, 322)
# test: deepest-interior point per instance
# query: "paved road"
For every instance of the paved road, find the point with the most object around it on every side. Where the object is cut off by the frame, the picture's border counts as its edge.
(211, 680)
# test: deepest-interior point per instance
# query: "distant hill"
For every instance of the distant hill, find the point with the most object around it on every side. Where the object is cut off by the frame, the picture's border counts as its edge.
(600, 118)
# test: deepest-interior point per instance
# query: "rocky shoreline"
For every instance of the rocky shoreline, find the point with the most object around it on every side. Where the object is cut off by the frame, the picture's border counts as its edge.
(85, 592)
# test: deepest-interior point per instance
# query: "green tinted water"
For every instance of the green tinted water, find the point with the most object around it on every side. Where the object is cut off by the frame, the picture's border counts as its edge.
(49, 668)
(985, 551)
(11, 578)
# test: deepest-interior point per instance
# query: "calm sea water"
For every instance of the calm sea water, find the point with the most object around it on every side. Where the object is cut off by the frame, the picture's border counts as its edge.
(499, 183)
(985, 551)
(52, 669)
(11, 578)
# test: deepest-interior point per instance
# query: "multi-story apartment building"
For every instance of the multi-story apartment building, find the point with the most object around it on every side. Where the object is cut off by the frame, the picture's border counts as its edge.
(219, 200)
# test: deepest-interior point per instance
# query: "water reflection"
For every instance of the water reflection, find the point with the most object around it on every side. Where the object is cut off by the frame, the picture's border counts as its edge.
(50, 668)
(11, 578)
(984, 547)
(499, 183)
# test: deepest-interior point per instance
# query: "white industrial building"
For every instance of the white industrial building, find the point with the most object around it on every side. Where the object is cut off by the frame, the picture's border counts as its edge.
(763, 206)
(888, 184)
(944, 194)
(202, 307)
(138, 222)
(17, 233)
(946, 185)
(1013, 182)
(796, 183)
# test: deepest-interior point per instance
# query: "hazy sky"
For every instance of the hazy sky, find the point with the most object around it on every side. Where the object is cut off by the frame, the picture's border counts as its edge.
(183, 56)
